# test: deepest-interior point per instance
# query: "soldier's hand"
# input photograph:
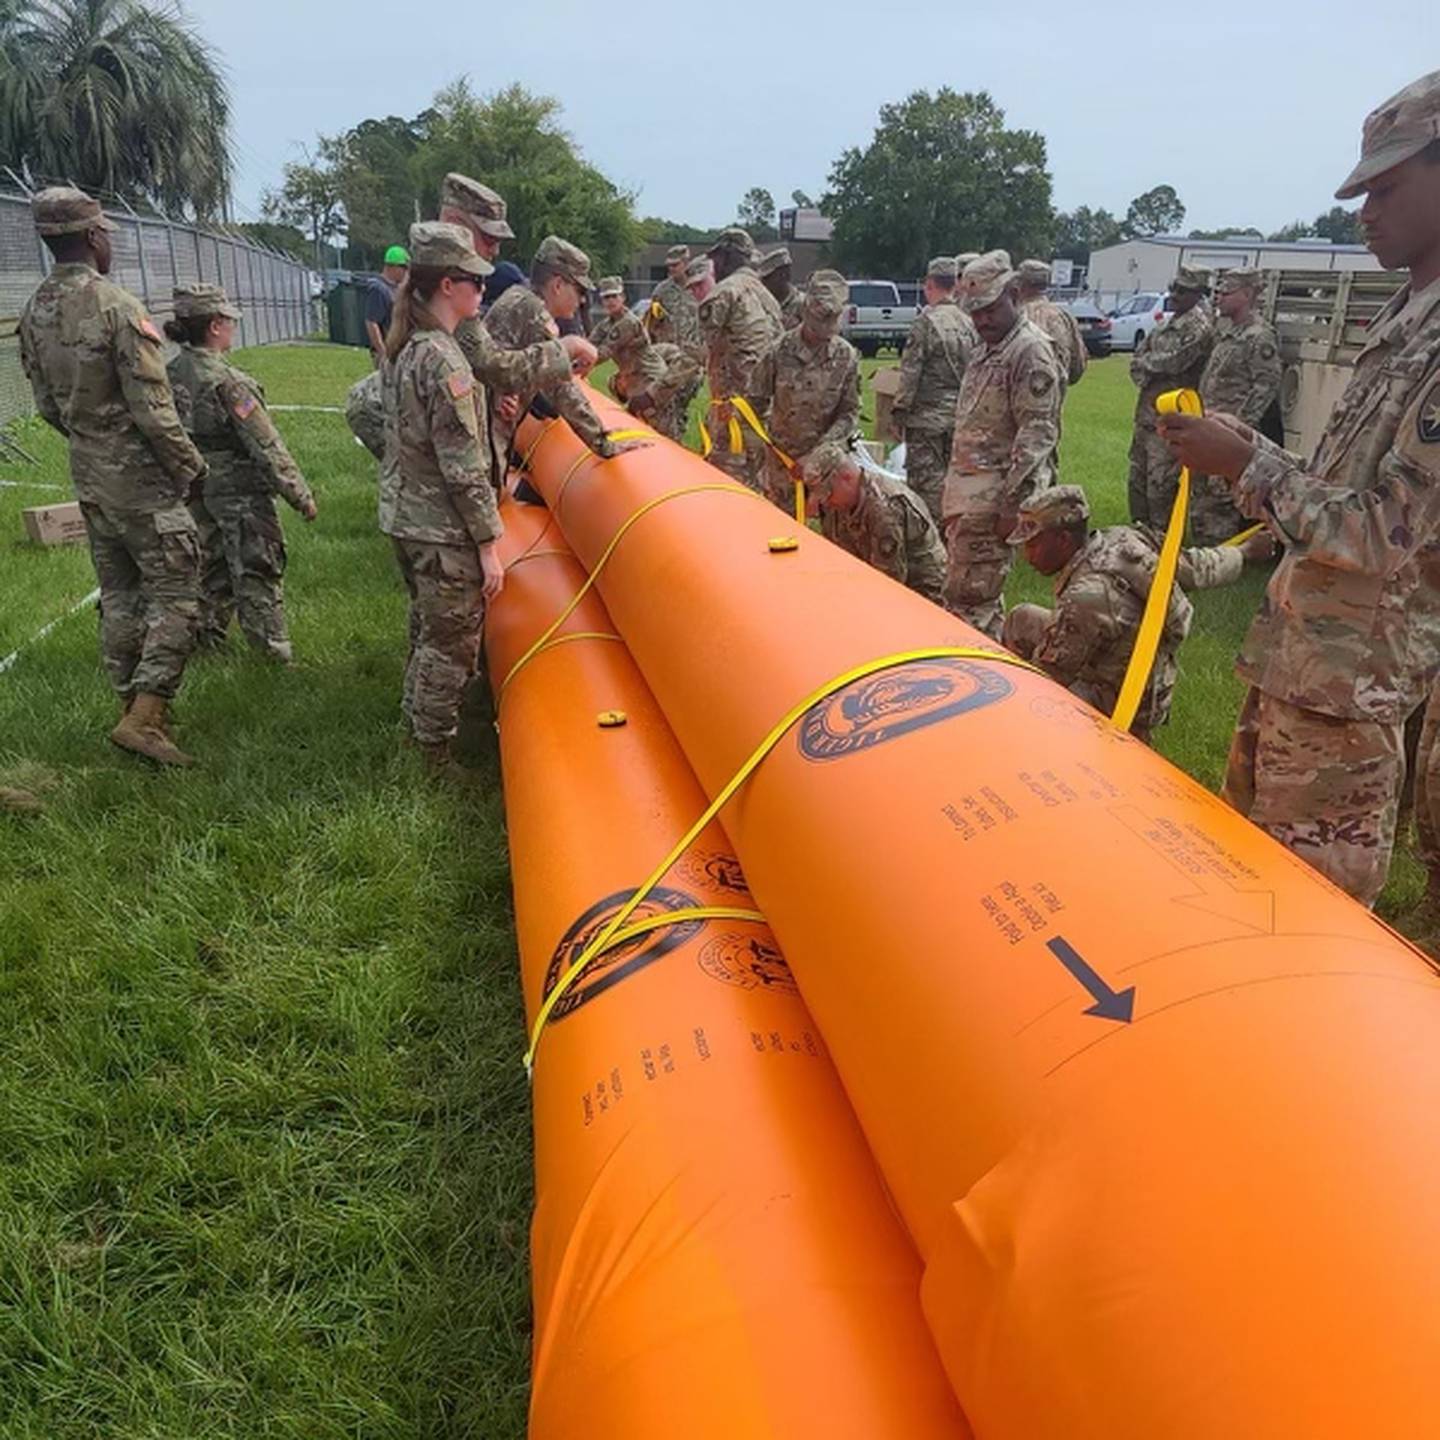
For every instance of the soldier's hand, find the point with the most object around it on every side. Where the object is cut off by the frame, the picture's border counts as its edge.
(1259, 548)
(507, 407)
(492, 572)
(582, 353)
(1207, 445)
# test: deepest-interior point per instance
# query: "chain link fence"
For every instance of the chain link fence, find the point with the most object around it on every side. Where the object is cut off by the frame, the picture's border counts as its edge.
(151, 256)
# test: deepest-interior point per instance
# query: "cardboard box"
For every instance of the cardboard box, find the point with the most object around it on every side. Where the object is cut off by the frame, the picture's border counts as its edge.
(55, 524)
(884, 383)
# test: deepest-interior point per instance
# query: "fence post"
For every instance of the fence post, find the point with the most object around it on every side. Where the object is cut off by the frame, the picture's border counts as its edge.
(174, 254)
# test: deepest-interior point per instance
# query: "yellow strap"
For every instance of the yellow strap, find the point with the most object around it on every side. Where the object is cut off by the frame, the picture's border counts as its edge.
(574, 602)
(636, 434)
(1243, 536)
(746, 411)
(1157, 603)
(706, 443)
(599, 944)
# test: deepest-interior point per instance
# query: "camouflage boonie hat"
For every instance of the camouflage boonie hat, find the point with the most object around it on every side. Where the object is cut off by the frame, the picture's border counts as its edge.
(1239, 277)
(985, 280)
(1191, 277)
(193, 301)
(826, 295)
(610, 285)
(964, 258)
(64, 210)
(698, 269)
(479, 202)
(774, 261)
(434, 245)
(734, 238)
(1054, 509)
(943, 267)
(1034, 272)
(570, 260)
(677, 255)
(1403, 126)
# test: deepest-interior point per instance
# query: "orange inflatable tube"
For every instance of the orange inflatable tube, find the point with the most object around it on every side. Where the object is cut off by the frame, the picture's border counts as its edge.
(713, 1254)
(1157, 1102)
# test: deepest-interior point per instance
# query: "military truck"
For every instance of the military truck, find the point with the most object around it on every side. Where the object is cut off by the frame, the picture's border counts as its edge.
(1321, 317)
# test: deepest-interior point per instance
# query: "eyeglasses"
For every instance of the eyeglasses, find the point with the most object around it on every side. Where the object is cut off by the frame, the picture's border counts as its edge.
(478, 281)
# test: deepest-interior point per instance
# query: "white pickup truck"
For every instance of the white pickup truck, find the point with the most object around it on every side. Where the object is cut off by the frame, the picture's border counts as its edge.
(876, 317)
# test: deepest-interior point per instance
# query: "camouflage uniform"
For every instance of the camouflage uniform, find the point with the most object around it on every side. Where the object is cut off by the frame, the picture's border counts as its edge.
(673, 317)
(792, 302)
(664, 381)
(437, 503)
(1348, 636)
(1057, 322)
(1170, 358)
(888, 528)
(622, 340)
(1085, 642)
(365, 413)
(807, 392)
(95, 362)
(518, 321)
(242, 544)
(932, 366)
(740, 321)
(1241, 378)
(1007, 424)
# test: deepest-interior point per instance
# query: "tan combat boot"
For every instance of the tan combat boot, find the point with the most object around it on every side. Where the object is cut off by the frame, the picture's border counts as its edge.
(143, 732)
(441, 765)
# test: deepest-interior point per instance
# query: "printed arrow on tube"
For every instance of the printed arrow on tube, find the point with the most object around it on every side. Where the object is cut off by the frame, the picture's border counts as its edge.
(1118, 1005)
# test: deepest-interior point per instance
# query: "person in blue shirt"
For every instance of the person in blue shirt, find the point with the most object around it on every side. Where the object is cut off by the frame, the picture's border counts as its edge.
(380, 302)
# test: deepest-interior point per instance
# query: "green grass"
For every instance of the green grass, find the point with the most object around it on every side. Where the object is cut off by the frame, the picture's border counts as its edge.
(264, 1136)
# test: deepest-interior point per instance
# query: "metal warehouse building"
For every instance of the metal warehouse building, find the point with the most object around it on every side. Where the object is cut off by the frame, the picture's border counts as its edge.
(1150, 264)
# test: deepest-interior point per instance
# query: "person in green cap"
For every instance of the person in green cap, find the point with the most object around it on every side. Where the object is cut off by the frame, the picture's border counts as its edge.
(380, 303)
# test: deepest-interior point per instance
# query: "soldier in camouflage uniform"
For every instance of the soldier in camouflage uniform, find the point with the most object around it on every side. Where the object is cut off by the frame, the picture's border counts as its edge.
(740, 321)
(673, 317)
(95, 362)
(543, 362)
(1102, 581)
(932, 366)
(523, 316)
(877, 518)
(1170, 358)
(806, 388)
(1058, 323)
(242, 544)
(775, 270)
(365, 413)
(617, 335)
(1241, 378)
(1007, 424)
(437, 502)
(662, 383)
(1347, 640)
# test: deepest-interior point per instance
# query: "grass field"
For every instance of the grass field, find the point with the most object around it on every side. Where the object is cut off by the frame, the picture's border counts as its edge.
(264, 1147)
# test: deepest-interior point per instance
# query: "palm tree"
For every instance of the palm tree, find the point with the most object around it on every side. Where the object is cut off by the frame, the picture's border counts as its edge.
(118, 96)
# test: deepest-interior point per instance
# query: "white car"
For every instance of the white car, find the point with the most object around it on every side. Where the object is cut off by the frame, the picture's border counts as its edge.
(1134, 318)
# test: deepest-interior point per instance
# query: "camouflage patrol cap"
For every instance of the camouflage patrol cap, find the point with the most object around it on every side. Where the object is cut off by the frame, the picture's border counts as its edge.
(485, 208)
(775, 260)
(1191, 277)
(610, 285)
(736, 239)
(1239, 277)
(822, 464)
(64, 210)
(698, 269)
(193, 301)
(1057, 508)
(985, 280)
(943, 267)
(964, 258)
(570, 260)
(1403, 126)
(434, 245)
(677, 255)
(1034, 272)
(826, 295)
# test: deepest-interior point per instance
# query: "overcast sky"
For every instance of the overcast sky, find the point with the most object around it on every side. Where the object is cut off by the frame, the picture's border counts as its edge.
(1251, 110)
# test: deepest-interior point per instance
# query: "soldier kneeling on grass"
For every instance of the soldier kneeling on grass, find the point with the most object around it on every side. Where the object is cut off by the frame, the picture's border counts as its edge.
(1102, 581)
(241, 542)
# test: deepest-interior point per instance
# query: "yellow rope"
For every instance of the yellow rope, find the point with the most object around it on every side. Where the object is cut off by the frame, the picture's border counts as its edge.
(757, 755)
(1157, 603)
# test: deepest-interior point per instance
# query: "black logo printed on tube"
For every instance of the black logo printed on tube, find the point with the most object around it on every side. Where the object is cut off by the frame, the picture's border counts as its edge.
(894, 702)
